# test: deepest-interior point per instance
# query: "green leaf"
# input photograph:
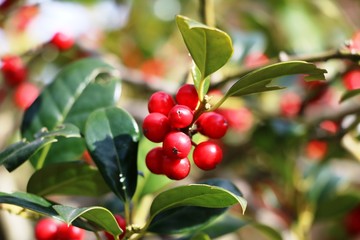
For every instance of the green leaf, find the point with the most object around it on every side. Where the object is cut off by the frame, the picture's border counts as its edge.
(40, 205)
(200, 195)
(79, 88)
(29, 201)
(99, 216)
(258, 80)
(268, 231)
(180, 219)
(112, 137)
(70, 178)
(350, 94)
(209, 47)
(16, 154)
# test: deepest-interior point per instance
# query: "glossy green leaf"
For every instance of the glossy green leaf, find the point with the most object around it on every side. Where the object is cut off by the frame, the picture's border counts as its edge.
(199, 195)
(99, 216)
(112, 137)
(209, 47)
(70, 178)
(180, 219)
(78, 89)
(16, 154)
(258, 80)
(224, 224)
(350, 94)
(29, 201)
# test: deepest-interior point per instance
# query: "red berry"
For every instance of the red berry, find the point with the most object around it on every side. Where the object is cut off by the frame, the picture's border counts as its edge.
(25, 94)
(207, 155)
(187, 95)
(13, 70)
(154, 160)
(46, 229)
(255, 59)
(66, 232)
(240, 119)
(316, 149)
(122, 224)
(177, 145)
(352, 222)
(62, 41)
(290, 104)
(87, 157)
(180, 116)
(161, 102)
(351, 79)
(213, 125)
(176, 169)
(155, 127)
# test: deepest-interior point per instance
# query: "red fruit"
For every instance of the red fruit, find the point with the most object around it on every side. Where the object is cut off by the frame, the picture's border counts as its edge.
(46, 229)
(239, 119)
(66, 232)
(187, 95)
(176, 169)
(177, 145)
(213, 125)
(329, 126)
(122, 224)
(352, 222)
(290, 104)
(161, 102)
(155, 127)
(87, 157)
(154, 160)
(255, 59)
(25, 94)
(316, 149)
(180, 116)
(62, 41)
(13, 70)
(351, 79)
(207, 155)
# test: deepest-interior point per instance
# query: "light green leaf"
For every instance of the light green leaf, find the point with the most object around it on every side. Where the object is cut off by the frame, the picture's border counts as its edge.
(209, 47)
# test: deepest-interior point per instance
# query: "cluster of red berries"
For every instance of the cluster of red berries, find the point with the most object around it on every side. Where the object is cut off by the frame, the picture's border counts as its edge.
(50, 229)
(173, 122)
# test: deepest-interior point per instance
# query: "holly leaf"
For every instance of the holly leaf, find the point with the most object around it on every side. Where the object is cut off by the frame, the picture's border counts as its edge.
(112, 137)
(16, 154)
(68, 178)
(258, 80)
(101, 217)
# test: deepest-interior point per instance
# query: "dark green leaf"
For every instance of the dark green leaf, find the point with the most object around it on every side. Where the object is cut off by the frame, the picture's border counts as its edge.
(350, 94)
(76, 91)
(258, 80)
(99, 216)
(70, 178)
(209, 47)
(200, 195)
(17, 153)
(112, 137)
(180, 218)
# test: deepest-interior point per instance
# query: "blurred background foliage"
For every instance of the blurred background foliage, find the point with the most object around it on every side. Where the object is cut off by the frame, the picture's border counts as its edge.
(294, 153)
